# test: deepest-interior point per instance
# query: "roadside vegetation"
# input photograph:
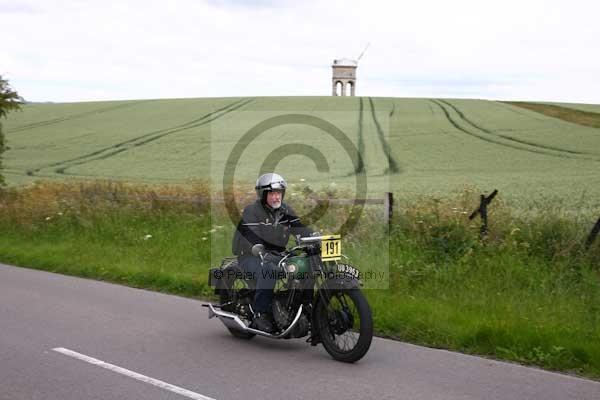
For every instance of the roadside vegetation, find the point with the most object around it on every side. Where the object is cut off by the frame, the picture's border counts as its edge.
(529, 292)
(9, 101)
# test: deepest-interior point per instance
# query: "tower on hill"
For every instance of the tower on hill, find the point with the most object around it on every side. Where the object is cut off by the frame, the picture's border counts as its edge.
(344, 77)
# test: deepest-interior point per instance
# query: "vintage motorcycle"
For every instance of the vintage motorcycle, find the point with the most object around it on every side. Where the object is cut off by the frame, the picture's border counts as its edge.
(316, 296)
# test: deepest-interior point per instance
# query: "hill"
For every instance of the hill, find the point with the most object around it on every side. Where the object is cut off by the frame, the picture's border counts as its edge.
(408, 146)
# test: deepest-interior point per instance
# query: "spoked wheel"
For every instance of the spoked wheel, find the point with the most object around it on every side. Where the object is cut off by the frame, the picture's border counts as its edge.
(237, 298)
(345, 325)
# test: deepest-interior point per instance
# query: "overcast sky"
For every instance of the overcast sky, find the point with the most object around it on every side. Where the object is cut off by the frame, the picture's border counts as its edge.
(143, 49)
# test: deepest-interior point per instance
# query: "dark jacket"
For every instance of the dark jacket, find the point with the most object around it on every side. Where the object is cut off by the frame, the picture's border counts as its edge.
(272, 228)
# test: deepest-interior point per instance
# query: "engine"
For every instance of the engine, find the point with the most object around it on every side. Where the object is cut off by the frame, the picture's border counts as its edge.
(283, 318)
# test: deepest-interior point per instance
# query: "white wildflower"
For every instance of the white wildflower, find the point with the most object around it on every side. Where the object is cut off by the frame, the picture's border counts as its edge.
(213, 230)
(204, 238)
(302, 180)
(48, 218)
(147, 237)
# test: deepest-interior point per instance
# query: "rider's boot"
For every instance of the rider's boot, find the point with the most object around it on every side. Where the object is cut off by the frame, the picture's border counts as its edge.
(262, 322)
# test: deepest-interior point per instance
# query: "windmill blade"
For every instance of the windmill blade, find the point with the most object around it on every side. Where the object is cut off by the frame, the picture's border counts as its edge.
(363, 52)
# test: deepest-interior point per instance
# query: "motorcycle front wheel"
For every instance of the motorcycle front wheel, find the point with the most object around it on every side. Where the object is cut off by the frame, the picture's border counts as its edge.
(345, 325)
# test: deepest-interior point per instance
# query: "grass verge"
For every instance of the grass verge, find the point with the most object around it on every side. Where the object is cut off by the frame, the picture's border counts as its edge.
(529, 293)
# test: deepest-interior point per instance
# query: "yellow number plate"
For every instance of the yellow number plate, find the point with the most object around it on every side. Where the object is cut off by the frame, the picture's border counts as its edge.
(331, 248)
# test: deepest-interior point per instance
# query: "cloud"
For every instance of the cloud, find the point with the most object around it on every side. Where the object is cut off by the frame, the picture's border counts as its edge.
(85, 50)
(247, 3)
(8, 7)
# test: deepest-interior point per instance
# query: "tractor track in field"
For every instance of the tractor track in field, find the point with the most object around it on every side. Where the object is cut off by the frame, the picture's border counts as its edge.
(361, 142)
(430, 109)
(508, 137)
(58, 120)
(130, 178)
(385, 146)
(496, 139)
(142, 140)
(123, 178)
(148, 138)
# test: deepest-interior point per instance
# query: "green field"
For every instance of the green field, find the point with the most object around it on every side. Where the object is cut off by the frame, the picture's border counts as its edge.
(412, 147)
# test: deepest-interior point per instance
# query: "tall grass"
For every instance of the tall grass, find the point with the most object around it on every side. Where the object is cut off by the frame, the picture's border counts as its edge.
(108, 231)
(528, 292)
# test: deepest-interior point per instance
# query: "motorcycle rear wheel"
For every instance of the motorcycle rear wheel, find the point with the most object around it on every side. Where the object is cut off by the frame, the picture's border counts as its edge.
(345, 325)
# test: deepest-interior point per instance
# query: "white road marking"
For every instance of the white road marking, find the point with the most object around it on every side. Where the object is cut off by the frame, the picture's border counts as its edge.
(131, 374)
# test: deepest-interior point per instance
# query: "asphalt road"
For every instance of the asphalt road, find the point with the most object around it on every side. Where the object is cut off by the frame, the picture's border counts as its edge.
(149, 341)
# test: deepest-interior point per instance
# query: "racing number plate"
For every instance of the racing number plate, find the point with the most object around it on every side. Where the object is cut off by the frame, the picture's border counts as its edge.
(331, 248)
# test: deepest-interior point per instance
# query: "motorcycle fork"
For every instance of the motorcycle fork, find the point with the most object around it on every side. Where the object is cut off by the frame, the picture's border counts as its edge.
(290, 299)
(323, 294)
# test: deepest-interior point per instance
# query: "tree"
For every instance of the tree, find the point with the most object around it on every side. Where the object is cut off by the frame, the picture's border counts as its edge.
(9, 101)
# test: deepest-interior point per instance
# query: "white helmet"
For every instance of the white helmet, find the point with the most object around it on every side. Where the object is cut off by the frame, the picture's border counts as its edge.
(269, 182)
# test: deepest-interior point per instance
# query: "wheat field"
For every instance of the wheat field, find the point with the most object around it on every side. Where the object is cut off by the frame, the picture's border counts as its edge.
(411, 147)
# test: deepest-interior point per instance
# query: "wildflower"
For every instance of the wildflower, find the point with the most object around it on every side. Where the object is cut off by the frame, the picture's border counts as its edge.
(213, 230)
(48, 218)
(302, 180)
(60, 213)
(204, 238)
(147, 237)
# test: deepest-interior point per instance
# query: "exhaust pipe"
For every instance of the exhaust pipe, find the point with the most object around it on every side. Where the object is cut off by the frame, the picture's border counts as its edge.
(232, 321)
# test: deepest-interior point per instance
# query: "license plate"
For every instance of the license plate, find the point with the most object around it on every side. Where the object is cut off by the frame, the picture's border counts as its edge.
(331, 248)
(348, 269)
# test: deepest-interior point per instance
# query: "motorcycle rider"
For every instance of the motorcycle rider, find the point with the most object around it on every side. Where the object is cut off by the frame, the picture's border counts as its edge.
(270, 222)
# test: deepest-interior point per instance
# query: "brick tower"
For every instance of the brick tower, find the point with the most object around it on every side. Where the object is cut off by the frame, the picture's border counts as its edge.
(344, 75)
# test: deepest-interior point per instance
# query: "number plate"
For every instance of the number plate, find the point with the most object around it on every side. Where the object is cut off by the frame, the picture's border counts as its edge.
(348, 269)
(331, 248)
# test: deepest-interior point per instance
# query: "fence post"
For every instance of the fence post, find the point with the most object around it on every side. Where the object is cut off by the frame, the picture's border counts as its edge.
(388, 207)
(482, 211)
(593, 234)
